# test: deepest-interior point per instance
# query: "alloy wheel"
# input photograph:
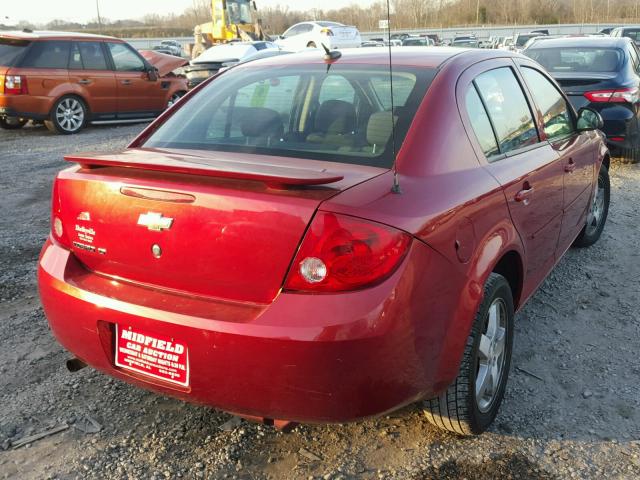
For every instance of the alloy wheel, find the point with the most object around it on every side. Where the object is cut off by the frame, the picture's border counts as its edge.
(491, 355)
(70, 114)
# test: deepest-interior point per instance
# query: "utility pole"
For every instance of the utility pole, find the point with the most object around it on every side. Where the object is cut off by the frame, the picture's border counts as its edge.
(98, 11)
(477, 12)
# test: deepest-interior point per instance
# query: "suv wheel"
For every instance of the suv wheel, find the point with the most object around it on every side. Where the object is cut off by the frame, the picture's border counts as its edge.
(598, 211)
(69, 115)
(472, 401)
(12, 123)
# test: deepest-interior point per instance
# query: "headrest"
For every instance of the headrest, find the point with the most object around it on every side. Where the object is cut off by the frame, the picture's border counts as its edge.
(261, 122)
(335, 116)
(379, 128)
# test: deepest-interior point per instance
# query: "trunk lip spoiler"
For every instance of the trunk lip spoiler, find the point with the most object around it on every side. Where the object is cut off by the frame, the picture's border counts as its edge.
(171, 163)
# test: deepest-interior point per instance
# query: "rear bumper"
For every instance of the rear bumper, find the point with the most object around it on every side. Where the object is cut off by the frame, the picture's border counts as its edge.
(25, 106)
(309, 358)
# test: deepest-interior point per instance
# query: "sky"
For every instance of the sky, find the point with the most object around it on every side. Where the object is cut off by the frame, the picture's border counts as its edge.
(43, 11)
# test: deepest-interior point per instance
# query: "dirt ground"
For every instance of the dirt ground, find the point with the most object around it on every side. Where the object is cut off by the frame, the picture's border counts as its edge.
(572, 406)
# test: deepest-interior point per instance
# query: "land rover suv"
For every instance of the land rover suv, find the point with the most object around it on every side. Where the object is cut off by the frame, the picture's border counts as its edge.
(67, 80)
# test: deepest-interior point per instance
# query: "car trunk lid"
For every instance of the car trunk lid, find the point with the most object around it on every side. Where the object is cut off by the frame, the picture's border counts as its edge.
(178, 221)
(344, 32)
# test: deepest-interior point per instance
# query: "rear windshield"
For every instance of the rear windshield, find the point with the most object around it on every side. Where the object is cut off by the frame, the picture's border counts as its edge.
(10, 50)
(522, 39)
(342, 113)
(577, 59)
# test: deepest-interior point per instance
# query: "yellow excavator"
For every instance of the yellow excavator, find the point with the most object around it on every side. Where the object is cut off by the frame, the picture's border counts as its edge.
(232, 20)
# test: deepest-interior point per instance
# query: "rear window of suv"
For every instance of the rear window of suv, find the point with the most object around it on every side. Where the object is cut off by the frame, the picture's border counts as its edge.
(10, 50)
(341, 114)
(47, 54)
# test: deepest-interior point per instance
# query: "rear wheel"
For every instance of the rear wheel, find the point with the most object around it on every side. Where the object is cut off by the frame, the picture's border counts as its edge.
(69, 115)
(472, 401)
(12, 123)
(598, 211)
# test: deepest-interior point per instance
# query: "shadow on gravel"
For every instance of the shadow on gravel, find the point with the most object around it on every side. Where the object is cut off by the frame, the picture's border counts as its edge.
(31, 131)
(514, 466)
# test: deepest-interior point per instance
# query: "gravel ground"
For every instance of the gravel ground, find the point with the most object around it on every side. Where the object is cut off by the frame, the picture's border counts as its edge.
(571, 408)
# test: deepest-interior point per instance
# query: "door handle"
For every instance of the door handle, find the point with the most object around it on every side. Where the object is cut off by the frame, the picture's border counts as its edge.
(126, 82)
(570, 167)
(84, 81)
(524, 195)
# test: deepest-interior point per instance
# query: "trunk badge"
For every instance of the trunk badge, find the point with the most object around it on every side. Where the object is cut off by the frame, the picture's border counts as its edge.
(155, 221)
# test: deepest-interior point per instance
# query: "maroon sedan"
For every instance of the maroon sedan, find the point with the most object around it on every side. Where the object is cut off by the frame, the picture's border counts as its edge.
(294, 242)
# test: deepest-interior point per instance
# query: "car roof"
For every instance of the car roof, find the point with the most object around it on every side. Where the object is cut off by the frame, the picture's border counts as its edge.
(427, 57)
(53, 35)
(569, 42)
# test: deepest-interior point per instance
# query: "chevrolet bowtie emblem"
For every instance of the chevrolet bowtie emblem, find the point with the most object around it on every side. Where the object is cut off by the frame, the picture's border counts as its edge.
(155, 221)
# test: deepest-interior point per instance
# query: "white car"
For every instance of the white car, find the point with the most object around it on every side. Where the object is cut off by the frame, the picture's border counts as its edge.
(333, 35)
(219, 56)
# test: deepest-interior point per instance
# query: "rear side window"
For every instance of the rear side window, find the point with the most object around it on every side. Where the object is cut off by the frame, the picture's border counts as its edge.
(558, 120)
(48, 54)
(10, 50)
(125, 59)
(92, 56)
(508, 109)
(481, 123)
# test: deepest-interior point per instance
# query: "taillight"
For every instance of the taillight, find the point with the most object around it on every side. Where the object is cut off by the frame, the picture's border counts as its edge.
(327, 31)
(58, 229)
(620, 95)
(15, 85)
(341, 253)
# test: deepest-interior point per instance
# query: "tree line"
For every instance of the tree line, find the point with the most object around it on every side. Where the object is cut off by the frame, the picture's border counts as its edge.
(406, 14)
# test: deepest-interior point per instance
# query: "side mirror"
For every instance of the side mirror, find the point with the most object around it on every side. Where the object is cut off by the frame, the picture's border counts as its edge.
(152, 74)
(589, 119)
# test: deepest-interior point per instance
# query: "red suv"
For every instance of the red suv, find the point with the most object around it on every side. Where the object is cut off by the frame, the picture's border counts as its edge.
(68, 80)
(293, 242)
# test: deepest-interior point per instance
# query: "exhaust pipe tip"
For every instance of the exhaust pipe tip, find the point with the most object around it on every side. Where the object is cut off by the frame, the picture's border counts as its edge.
(75, 365)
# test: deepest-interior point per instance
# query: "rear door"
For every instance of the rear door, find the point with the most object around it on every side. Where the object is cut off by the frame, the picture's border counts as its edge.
(529, 170)
(89, 70)
(138, 96)
(577, 150)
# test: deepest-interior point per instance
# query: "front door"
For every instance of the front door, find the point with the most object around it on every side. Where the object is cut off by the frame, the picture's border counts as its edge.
(574, 148)
(138, 96)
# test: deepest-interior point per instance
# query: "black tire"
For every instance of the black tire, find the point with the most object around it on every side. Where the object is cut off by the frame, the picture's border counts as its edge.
(311, 45)
(594, 226)
(457, 409)
(77, 119)
(12, 123)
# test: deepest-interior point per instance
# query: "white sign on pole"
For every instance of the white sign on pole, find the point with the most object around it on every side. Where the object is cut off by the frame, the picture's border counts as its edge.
(383, 24)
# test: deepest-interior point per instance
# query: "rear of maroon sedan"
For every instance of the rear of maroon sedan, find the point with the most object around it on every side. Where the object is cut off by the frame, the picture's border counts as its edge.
(202, 263)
